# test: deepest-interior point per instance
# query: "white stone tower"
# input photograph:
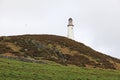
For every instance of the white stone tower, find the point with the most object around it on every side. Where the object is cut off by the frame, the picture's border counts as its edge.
(70, 29)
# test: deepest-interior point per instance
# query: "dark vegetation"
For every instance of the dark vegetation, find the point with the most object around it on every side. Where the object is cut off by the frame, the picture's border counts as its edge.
(56, 48)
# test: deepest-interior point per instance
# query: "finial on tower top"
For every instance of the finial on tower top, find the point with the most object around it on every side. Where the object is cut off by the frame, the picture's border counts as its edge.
(70, 22)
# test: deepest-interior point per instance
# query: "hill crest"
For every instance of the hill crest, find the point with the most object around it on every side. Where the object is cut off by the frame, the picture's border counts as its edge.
(56, 48)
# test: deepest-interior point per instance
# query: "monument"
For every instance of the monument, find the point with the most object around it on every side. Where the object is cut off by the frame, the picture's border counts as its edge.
(70, 25)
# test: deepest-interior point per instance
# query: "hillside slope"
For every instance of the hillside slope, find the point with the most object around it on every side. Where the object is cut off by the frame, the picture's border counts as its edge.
(18, 70)
(55, 48)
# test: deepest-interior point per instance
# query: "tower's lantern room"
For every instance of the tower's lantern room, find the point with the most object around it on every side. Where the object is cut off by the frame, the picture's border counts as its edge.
(70, 29)
(70, 22)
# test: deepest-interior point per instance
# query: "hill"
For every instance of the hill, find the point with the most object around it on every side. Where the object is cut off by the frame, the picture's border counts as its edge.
(55, 48)
(18, 70)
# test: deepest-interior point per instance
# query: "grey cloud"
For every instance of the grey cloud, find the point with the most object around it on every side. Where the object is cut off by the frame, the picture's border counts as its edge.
(97, 22)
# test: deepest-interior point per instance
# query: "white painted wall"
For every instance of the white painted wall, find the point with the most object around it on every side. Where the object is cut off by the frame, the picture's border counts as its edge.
(70, 32)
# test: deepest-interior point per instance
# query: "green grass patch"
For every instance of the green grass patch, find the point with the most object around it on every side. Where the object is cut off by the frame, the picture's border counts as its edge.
(18, 70)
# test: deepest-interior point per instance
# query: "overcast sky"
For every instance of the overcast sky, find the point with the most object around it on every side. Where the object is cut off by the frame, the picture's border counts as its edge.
(96, 22)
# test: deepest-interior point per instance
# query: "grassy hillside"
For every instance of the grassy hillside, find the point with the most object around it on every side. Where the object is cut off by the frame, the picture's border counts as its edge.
(56, 48)
(17, 70)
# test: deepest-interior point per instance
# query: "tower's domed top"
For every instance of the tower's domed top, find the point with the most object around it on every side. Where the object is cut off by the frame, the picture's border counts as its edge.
(70, 19)
(70, 22)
